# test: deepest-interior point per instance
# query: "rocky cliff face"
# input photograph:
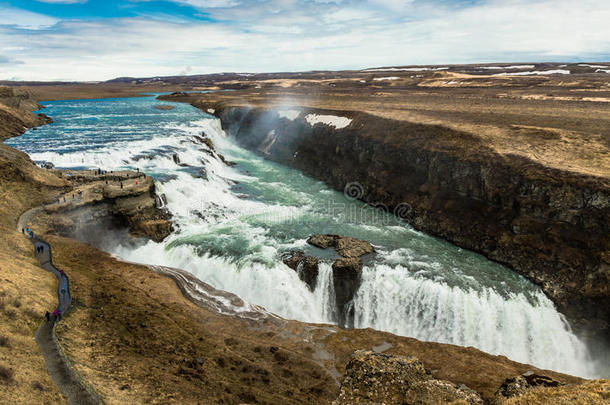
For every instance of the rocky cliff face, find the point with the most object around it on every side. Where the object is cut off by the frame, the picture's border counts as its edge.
(552, 226)
(15, 115)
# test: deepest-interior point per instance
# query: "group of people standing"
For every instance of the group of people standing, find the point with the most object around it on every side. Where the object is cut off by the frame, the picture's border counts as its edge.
(56, 315)
(28, 232)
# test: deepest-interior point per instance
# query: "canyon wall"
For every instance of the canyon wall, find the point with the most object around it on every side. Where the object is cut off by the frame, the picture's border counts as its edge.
(551, 226)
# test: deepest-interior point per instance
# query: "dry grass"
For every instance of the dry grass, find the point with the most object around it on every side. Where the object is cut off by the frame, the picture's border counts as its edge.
(34, 291)
(595, 392)
(86, 91)
(27, 291)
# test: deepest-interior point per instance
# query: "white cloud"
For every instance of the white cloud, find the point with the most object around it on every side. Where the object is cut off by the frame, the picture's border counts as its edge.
(24, 19)
(275, 35)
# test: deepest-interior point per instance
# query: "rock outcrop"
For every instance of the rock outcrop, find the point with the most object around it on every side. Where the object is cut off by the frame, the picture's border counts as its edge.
(346, 246)
(520, 385)
(118, 200)
(305, 266)
(548, 224)
(347, 276)
(374, 378)
(347, 270)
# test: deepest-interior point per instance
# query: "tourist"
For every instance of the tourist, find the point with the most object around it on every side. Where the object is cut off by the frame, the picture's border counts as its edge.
(23, 231)
(56, 314)
(47, 315)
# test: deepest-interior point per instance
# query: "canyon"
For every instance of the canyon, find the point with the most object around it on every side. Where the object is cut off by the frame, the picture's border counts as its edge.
(500, 185)
(547, 223)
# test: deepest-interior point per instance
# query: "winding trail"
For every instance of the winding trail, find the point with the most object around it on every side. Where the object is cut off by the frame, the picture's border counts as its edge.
(63, 374)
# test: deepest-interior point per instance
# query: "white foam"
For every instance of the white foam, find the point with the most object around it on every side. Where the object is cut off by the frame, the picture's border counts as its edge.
(332, 120)
(211, 110)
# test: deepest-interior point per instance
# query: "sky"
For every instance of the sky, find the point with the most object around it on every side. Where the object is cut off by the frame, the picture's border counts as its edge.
(92, 40)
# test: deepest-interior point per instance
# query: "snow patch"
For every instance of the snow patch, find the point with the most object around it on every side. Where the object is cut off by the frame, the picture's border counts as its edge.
(377, 79)
(593, 66)
(602, 70)
(289, 114)
(332, 120)
(535, 72)
(506, 67)
(415, 69)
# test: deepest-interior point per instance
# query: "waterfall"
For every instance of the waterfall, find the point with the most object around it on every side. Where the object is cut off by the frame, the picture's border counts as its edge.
(523, 329)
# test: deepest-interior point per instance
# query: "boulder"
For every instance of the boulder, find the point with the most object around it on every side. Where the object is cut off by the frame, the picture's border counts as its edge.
(177, 161)
(376, 378)
(305, 266)
(519, 385)
(346, 246)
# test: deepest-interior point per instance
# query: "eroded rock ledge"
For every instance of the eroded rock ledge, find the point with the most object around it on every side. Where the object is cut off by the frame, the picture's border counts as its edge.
(550, 225)
(123, 199)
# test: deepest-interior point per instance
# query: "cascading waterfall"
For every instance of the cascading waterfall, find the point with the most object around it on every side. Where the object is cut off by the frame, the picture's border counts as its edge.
(524, 329)
(234, 222)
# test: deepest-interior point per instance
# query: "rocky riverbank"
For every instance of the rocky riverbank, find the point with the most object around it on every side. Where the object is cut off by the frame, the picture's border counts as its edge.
(550, 225)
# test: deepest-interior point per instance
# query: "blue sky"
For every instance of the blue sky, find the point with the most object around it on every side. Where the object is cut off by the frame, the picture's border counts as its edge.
(102, 39)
